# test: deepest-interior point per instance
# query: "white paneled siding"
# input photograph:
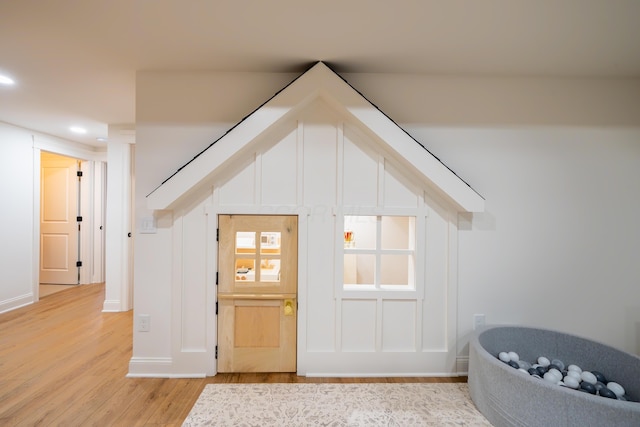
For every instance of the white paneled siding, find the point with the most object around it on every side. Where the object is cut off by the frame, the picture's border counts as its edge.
(321, 162)
(336, 169)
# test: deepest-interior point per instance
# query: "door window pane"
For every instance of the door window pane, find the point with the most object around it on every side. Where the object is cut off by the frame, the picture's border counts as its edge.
(245, 263)
(270, 242)
(245, 270)
(245, 242)
(270, 270)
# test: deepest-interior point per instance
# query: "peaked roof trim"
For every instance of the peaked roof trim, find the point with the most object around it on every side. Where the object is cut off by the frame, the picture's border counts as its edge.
(230, 129)
(309, 85)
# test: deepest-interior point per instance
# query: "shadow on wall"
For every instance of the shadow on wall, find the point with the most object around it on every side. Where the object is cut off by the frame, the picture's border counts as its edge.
(481, 221)
(633, 331)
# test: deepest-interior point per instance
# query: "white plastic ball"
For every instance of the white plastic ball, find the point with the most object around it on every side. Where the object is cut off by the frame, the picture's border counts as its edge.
(588, 377)
(513, 356)
(543, 361)
(556, 373)
(571, 381)
(550, 377)
(574, 368)
(616, 388)
(504, 356)
(575, 374)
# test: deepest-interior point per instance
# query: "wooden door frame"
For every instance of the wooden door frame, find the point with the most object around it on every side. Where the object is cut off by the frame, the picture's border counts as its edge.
(302, 213)
(262, 295)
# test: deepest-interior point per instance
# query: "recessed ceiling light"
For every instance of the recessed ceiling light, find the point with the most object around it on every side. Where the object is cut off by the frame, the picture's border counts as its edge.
(4, 80)
(78, 129)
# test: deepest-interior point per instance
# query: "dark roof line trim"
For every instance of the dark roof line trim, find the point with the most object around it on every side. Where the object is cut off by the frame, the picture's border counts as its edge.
(405, 131)
(230, 129)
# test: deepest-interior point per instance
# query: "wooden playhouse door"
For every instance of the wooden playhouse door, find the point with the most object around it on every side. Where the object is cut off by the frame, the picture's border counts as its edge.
(257, 293)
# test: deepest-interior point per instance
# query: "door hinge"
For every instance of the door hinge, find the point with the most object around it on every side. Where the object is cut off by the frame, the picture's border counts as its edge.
(216, 352)
(217, 234)
(216, 308)
(78, 263)
(79, 174)
(216, 278)
(79, 219)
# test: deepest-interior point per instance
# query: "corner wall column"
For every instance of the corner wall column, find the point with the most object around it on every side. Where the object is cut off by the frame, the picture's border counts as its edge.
(119, 233)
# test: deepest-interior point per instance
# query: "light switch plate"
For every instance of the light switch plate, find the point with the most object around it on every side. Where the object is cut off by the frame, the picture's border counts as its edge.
(148, 225)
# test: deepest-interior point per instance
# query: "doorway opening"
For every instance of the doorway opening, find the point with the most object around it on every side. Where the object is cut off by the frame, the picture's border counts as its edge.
(71, 243)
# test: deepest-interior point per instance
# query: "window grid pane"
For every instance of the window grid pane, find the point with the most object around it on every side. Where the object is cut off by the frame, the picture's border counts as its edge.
(379, 251)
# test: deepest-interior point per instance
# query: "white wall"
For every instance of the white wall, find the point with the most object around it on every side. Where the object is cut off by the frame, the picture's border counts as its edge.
(558, 244)
(19, 163)
(556, 160)
(16, 228)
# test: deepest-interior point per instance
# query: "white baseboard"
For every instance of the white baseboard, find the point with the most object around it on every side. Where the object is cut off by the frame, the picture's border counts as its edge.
(373, 374)
(16, 302)
(150, 367)
(163, 367)
(462, 366)
(112, 306)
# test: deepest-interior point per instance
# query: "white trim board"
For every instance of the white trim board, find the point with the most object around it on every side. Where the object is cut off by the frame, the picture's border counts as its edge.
(318, 82)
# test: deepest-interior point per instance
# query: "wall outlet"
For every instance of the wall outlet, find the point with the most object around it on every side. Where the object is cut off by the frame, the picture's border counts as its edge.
(144, 323)
(478, 321)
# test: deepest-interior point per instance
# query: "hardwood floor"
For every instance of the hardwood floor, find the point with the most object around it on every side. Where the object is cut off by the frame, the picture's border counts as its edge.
(46, 290)
(63, 363)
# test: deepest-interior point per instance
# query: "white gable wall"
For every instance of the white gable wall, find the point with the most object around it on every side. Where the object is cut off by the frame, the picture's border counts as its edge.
(305, 167)
(494, 261)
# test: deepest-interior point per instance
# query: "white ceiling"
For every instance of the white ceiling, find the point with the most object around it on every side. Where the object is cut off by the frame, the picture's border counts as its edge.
(75, 61)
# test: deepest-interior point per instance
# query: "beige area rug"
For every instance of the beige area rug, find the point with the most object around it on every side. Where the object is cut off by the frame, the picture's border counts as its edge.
(368, 404)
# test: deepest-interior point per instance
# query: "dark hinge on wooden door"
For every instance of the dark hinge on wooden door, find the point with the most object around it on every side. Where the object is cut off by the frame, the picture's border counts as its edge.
(217, 234)
(216, 352)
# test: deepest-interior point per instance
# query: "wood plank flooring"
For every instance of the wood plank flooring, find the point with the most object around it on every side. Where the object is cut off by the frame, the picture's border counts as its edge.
(64, 363)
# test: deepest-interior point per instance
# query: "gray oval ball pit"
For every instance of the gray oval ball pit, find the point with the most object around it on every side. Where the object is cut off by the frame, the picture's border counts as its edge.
(508, 397)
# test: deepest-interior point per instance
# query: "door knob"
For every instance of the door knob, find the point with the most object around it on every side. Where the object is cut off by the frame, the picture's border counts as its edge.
(288, 307)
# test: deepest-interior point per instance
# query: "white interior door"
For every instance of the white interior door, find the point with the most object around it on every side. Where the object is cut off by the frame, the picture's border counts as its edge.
(58, 219)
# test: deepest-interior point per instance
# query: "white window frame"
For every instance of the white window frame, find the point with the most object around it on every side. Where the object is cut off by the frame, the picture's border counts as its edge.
(376, 290)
